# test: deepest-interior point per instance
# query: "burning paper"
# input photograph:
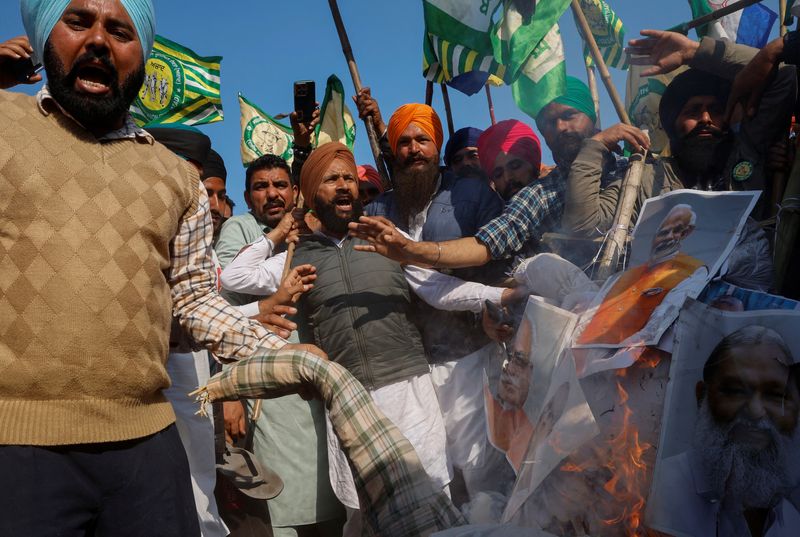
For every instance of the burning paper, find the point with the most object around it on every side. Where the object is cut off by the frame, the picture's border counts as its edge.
(728, 453)
(680, 241)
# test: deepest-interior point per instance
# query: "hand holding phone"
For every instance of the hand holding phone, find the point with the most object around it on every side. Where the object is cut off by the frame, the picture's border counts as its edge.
(304, 100)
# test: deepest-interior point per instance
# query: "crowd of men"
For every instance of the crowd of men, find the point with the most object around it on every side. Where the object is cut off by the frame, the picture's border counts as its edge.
(127, 280)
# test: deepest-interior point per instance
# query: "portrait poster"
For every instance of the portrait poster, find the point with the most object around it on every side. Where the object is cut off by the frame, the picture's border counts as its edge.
(554, 418)
(729, 435)
(680, 241)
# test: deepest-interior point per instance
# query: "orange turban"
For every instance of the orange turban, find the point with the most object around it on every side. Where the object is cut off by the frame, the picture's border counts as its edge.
(423, 115)
(317, 164)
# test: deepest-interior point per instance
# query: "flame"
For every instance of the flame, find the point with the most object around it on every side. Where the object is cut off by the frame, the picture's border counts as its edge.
(629, 472)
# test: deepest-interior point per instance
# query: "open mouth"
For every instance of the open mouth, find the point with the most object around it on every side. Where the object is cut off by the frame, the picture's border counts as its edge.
(274, 209)
(94, 78)
(344, 203)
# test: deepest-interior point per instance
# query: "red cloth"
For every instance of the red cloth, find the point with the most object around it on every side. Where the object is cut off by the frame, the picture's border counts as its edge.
(369, 174)
(509, 136)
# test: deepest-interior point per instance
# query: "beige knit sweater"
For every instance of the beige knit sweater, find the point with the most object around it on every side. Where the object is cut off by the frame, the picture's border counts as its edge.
(85, 307)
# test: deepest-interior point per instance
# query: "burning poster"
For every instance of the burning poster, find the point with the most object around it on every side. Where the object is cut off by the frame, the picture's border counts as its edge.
(680, 241)
(537, 412)
(727, 460)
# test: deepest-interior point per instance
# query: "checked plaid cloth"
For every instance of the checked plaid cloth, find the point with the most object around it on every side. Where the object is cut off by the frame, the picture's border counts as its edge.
(396, 495)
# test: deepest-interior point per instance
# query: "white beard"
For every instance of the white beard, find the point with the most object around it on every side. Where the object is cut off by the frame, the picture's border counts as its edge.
(744, 476)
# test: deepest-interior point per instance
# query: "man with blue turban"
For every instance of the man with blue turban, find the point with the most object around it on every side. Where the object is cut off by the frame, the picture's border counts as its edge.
(106, 236)
(461, 153)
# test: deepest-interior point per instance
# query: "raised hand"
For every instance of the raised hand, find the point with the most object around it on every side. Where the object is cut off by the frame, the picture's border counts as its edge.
(12, 51)
(304, 131)
(383, 238)
(665, 51)
(368, 107)
(271, 315)
(750, 83)
(615, 134)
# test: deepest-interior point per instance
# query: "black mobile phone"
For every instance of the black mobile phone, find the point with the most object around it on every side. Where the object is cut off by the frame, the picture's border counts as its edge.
(24, 69)
(304, 99)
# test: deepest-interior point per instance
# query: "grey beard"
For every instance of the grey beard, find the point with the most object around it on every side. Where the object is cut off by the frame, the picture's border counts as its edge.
(744, 476)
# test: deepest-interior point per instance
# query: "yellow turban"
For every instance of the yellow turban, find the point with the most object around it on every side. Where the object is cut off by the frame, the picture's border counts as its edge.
(319, 160)
(423, 116)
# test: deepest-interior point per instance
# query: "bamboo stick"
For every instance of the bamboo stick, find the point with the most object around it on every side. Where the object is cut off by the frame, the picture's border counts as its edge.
(592, 82)
(711, 17)
(491, 104)
(583, 26)
(429, 92)
(351, 64)
(448, 110)
(782, 15)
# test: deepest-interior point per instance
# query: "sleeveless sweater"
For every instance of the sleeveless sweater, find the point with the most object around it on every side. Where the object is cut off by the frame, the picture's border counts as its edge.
(85, 306)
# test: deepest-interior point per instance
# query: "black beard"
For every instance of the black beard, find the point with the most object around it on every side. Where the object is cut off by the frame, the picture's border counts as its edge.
(703, 160)
(566, 148)
(413, 189)
(326, 212)
(90, 111)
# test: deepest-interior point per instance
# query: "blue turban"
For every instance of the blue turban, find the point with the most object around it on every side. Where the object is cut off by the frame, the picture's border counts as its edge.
(466, 137)
(40, 16)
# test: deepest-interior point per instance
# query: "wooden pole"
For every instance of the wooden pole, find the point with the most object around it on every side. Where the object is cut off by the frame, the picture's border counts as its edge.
(583, 26)
(629, 191)
(447, 109)
(429, 92)
(351, 64)
(592, 82)
(491, 104)
(782, 15)
(711, 17)
(618, 235)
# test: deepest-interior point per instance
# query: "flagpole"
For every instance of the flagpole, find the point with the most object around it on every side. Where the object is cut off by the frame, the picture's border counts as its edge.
(592, 82)
(711, 17)
(615, 242)
(491, 104)
(782, 11)
(351, 64)
(588, 37)
(447, 109)
(429, 92)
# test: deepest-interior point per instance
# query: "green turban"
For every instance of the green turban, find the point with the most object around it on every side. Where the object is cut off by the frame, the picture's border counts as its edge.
(579, 97)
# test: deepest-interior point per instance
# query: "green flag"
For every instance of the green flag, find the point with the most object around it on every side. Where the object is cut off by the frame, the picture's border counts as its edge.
(457, 39)
(543, 76)
(608, 32)
(179, 87)
(262, 134)
(335, 120)
(519, 29)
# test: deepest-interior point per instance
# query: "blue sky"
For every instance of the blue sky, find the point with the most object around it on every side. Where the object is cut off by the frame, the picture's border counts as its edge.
(268, 44)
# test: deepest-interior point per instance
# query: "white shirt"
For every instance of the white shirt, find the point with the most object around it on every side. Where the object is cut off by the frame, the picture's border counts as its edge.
(256, 271)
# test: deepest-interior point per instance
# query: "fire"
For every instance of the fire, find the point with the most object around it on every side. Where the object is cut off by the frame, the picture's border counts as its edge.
(630, 478)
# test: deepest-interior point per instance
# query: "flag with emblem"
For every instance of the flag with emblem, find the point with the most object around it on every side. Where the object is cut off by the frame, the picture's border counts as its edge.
(543, 76)
(179, 87)
(608, 32)
(262, 134)
(335, 120)
(457, 48)
(749, 26)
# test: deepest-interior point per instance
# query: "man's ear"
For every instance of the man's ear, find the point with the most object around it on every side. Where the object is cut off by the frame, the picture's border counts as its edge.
(686, 232)
(700, 392)
(296, 194)
(247, 199)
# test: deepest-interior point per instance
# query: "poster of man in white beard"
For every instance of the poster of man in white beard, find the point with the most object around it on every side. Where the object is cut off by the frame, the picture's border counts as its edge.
(727, 464)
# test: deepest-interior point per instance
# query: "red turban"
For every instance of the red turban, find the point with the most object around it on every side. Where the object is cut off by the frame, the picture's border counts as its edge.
(368, 174)
(317, 164)
(509, 136)
(423, 116)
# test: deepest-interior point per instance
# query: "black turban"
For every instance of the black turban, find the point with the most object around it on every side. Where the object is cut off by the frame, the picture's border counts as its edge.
(683, 87)
(214, 166)
(186, 142)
